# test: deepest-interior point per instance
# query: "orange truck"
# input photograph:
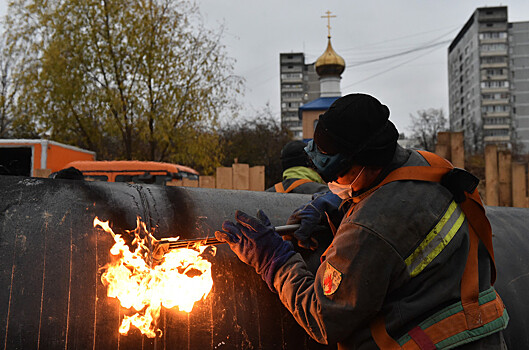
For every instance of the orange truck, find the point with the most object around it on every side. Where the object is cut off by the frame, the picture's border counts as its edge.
(38, 158)
(134, 171)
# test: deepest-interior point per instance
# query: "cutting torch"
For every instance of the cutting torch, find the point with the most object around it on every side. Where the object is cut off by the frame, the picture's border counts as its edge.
(162, 246)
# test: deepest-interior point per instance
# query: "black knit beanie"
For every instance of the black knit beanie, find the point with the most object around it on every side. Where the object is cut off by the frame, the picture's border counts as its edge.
(357, 125)
(293, 154)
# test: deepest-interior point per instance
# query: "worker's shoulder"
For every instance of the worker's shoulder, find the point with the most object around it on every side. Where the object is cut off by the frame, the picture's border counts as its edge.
(402, 212)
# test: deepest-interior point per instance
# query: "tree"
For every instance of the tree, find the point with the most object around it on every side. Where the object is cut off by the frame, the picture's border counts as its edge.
(137, 79)
(426, 125)
(474, 136)
(8, 89)
(257, 142)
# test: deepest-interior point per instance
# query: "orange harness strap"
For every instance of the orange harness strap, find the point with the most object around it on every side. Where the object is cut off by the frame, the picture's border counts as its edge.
(473, 315)
(280, 189)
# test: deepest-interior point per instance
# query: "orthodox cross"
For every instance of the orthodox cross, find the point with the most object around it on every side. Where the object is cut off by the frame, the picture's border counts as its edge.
(329, 16)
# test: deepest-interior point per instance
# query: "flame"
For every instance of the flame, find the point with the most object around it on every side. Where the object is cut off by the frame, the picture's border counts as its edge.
(182, 278)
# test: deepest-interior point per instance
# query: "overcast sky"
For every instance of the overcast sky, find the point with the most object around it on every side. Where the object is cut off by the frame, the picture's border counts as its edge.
(258, 31)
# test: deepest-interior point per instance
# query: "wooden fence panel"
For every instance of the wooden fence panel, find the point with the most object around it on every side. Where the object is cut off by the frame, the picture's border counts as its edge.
(241, 176)
(491, 175)
(519, 186)
(189, 183)
(442, 147)
(224, 178)
(505, 178)
(174, 182)
(457, 149)
(206, 181)
(238, 177)
(257, 178)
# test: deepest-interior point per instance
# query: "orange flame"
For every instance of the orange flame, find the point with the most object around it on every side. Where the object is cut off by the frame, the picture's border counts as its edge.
(182, 278)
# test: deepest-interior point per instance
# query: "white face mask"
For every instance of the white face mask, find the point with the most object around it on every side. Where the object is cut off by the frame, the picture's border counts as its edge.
(344, 191)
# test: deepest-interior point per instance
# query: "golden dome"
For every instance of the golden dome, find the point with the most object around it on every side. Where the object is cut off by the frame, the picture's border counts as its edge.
(330, 63)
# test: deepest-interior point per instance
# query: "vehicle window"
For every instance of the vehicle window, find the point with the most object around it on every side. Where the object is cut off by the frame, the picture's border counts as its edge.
(96, 178)
(187, 175)
(162, 179)
(124, 178)
(144, 179)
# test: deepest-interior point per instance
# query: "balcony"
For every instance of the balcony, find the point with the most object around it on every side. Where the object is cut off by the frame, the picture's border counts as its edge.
(488, 102)
(493, 53)
(289, 109)
(492, 90)
(286, 99)
(495, 114)
(485, 77)
(496, 127)
(493, 139)
(493, 41)
(494, 65)
(292, 89)
(292, 79)
(295, 59)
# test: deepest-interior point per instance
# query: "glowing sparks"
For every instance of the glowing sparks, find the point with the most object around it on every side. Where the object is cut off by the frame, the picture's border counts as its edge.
(181, 279)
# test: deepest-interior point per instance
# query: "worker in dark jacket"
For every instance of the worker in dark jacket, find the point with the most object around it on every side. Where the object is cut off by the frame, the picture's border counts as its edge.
(298, 175)
(411, 265)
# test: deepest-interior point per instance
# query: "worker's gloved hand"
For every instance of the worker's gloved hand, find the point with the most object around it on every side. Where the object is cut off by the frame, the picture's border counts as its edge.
(312, 215)
(256, 243)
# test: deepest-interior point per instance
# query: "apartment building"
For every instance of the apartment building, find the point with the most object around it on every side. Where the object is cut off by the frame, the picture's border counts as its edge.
(488, 64)
(299, 85)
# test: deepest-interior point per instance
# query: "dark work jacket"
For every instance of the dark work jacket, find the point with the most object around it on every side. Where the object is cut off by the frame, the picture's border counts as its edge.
(368, 261)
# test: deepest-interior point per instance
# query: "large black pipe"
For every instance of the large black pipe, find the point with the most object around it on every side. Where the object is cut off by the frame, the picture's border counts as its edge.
(52, 296)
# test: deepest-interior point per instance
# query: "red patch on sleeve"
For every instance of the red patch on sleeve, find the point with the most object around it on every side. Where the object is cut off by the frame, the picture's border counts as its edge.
(331, 279)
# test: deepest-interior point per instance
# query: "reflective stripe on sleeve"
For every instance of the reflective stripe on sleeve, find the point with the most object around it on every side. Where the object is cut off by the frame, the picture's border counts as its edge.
(437, 240)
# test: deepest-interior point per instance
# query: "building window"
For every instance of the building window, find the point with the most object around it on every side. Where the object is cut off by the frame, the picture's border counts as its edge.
(495, 84)
(496, 96)
(291, 75)
(493, 47)
(493, 60)
(495, 109)
(497, 71)
(496, 132)
(493, 35)
(496, 121)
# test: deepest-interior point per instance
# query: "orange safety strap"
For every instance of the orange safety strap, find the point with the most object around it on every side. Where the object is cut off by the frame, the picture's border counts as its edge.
(444, 329)
(473, 314)
(279, 186)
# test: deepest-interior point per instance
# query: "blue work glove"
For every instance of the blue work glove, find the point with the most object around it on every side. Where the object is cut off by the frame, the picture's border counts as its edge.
(312, 215)
(256, 243)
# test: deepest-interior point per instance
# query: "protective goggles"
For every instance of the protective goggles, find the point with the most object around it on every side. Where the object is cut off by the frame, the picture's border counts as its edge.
(328, 166)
